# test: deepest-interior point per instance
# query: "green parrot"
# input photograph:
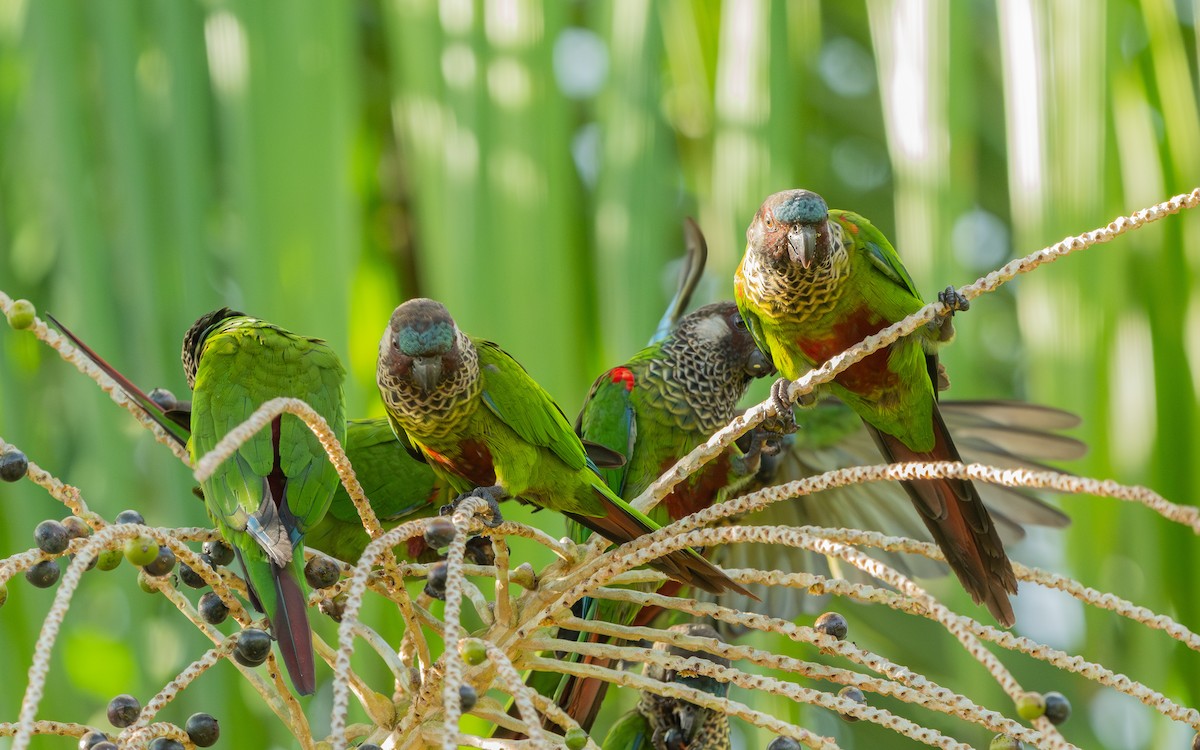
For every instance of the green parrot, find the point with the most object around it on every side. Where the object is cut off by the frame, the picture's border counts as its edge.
(656, 408)
(665, 723)
(279, 484)
(814, 282)
(398, 487)
(487, 427)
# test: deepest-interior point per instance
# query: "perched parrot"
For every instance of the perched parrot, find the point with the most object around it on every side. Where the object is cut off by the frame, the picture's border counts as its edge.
(399, 487)
(278, 485)
(814, 282)
(486, 426)
(656, 408)
(662, 723)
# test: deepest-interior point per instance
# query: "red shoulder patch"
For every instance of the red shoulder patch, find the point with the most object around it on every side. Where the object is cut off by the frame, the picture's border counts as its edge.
(624, 376)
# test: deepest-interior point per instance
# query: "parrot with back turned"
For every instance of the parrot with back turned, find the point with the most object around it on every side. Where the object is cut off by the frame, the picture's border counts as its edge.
(398, 487)
(279, 483)
(487, 427)
(656, 408)
(662, 723)
(814, 282)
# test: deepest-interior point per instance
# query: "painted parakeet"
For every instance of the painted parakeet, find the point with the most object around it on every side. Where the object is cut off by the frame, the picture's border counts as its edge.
(486, 426)
(278, 485)
(665, 723)
(812, 283)
(398, 486)
(656, 408)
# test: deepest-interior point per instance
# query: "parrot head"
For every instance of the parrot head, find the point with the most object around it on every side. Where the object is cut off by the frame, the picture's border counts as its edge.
(792, 227)
(421, 344)
(719, 328)
(679, 721)
(194, 338)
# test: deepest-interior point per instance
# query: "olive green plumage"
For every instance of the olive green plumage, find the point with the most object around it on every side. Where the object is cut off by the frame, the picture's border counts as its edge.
(279, 483)
(814, 282)
(482, 422)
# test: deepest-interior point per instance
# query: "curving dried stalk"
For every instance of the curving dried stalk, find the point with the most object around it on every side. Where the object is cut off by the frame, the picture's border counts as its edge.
(520, 627)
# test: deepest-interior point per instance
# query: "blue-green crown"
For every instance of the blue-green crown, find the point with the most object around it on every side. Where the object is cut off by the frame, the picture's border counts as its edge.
(438, 338)
(802, 207)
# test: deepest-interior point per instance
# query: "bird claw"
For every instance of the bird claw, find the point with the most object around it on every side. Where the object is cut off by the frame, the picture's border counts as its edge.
(492, 495)
(764, 443)
(783, 422)
(953, 301)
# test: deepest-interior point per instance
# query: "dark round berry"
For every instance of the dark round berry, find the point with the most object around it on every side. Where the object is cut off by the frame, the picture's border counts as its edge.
(190, 577)
(321, 572)
(76, 527)
(439, 532)
(165, 743)
(162, 564)
(467, 697)
(220, 552)
(109, 559)
(51, 537)
(852, 693)
(129, 516)
(106, 745)
(369, 746)
(202, 729)
(212, 609)
(435, 584)
(13, 465)
(831, 623)
(123, 710)
(783, 743)
(44, 574)
(252, 648)
(1058, 708)
(90, 739)
(480, 551)
(141, 550)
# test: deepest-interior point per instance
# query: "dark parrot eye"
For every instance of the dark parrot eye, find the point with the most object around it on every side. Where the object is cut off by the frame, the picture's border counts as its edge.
(738, 322)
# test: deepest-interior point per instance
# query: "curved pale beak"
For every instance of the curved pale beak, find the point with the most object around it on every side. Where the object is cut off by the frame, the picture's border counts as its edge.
(427, 372)
(802, 242)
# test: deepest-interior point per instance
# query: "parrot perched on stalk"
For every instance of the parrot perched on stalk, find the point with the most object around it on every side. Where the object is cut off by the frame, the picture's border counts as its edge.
(656, 408)
(814, 282)
(662, 723)
(398, 487)
(488, 428)
(279, 483)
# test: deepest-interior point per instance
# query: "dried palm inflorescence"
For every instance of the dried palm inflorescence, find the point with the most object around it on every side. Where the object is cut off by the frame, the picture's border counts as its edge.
(520, 632)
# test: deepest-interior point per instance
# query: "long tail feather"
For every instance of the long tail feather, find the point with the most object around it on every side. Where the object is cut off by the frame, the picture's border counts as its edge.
(959, 522)
(694, 259)
(152, 408)
(277, 592)
(620, 525)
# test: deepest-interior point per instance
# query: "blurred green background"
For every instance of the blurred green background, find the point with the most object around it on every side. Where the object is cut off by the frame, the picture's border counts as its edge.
(315, 163)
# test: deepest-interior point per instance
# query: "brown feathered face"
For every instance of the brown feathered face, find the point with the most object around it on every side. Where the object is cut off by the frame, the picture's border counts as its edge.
(420, 344)
(719, 327)
(194, 338)
(791, 227)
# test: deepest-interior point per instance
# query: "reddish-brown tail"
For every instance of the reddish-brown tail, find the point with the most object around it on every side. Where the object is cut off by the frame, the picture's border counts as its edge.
(959, 522)
(620, 525)
(277, 592)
